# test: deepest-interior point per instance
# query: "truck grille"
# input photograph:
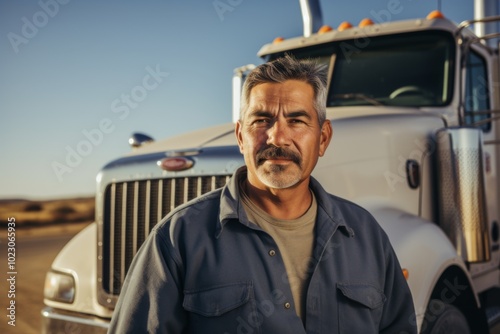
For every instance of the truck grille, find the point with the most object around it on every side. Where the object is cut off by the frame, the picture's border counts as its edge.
(132, 209)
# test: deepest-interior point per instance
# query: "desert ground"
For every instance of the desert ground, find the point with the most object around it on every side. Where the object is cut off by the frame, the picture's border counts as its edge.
(45, 213)
(41, 229)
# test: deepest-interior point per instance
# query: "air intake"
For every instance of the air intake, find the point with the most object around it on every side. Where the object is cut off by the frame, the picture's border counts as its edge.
(462, 194)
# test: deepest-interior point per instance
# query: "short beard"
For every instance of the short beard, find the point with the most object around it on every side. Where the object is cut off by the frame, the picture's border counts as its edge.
(275, 176)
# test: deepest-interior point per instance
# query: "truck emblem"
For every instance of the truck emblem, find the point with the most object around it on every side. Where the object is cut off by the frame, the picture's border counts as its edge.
(176, 164)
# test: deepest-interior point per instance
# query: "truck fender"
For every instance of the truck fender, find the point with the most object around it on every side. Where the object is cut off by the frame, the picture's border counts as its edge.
(79, 259)
(435, 271)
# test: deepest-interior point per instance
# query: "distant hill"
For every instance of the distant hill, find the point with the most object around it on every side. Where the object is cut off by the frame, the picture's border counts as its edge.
(38, 213)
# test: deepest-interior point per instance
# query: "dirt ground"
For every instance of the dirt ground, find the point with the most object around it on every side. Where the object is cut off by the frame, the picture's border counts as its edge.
(35, 249)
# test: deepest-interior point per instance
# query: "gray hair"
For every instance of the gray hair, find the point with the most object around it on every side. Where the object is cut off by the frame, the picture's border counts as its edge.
(289, 68)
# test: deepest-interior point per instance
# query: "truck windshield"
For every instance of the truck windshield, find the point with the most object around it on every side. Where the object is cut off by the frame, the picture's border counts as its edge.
(413, 70)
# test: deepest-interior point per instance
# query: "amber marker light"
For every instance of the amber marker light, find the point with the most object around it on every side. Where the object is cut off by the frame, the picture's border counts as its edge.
(278, 40)
(325, 28)
(435, 14)
(365, 23)
(344, 26)
(406, 273)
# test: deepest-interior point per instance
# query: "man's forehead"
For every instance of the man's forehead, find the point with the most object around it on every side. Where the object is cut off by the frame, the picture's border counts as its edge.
(290, 91)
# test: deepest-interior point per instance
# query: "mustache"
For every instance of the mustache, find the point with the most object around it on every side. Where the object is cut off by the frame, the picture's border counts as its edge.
(273, 152)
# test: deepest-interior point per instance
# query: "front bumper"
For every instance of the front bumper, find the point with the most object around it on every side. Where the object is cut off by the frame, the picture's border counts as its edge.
(56, 321)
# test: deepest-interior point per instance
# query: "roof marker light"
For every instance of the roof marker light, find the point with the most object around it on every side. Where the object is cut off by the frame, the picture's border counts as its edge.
(324, 29)
(365, 23)
(435, 14)
(344, 26)
(278, 40)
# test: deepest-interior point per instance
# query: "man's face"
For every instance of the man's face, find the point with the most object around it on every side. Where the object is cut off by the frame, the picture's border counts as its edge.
(279, 134)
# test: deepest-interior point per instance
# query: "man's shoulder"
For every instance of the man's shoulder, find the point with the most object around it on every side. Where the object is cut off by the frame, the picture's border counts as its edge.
(352, 215)
(345, 204)
(339, 205)
(196, 211)
(335, 206)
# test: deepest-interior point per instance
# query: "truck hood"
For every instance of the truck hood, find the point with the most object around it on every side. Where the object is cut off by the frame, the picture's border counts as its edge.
(220, 135)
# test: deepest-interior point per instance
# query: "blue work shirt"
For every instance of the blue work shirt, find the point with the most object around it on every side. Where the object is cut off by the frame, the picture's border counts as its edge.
(206, 269)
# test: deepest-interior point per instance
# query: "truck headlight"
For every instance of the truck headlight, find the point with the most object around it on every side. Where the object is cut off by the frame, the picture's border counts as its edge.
(59, 287)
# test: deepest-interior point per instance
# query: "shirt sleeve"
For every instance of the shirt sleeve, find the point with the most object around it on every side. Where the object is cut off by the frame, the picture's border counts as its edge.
(399, 313)
(151, 297)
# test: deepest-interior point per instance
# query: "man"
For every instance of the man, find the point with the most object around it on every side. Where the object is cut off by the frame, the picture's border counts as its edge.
(271, 252)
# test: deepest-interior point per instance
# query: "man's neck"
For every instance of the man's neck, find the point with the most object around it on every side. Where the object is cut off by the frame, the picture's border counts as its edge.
(289, 203)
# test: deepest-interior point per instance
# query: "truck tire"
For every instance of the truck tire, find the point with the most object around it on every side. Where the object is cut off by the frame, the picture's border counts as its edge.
(442, 318)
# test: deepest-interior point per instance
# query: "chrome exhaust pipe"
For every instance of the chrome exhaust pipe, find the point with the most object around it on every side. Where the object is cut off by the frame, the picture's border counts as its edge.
(483, 9)
(311, 16)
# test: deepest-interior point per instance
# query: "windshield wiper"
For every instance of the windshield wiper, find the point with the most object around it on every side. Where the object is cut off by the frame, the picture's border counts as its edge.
(358, 96)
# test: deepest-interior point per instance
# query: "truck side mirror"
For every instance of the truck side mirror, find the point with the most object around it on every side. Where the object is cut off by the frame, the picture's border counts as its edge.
(138, 139)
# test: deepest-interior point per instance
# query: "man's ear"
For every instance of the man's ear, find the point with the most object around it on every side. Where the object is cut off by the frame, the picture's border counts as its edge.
(325, 137)
(239, 137)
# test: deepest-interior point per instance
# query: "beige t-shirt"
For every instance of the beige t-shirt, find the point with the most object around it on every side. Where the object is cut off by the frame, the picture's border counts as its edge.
(295, 240)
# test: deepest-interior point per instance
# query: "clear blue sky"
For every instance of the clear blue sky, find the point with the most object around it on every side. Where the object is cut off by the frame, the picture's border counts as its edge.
(66, 64)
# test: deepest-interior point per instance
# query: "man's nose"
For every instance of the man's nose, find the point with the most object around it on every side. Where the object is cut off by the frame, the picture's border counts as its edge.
(278, 134)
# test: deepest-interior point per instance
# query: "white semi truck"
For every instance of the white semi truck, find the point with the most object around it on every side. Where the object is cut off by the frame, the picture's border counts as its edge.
(414, 106)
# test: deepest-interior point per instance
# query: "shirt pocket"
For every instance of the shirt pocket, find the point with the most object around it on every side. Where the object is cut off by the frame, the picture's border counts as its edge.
(224, 308)
(360, 307)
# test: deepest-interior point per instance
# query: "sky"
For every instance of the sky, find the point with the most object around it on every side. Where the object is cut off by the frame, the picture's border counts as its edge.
(77, 77)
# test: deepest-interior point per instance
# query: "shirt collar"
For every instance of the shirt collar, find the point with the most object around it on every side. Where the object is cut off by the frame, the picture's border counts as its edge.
(232, 209)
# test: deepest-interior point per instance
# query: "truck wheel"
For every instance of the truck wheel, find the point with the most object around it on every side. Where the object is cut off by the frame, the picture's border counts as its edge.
(442, 318)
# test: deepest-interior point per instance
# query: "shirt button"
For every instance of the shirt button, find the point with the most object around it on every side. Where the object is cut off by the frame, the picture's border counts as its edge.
(272, 252)
(287, 305)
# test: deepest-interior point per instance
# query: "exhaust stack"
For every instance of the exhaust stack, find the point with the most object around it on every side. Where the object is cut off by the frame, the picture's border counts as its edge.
(483, 9)
(311, 16)
(239, 77)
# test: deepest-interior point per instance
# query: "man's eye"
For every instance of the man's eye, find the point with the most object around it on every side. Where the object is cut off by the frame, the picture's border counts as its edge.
(261, 121)
(296, 121)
